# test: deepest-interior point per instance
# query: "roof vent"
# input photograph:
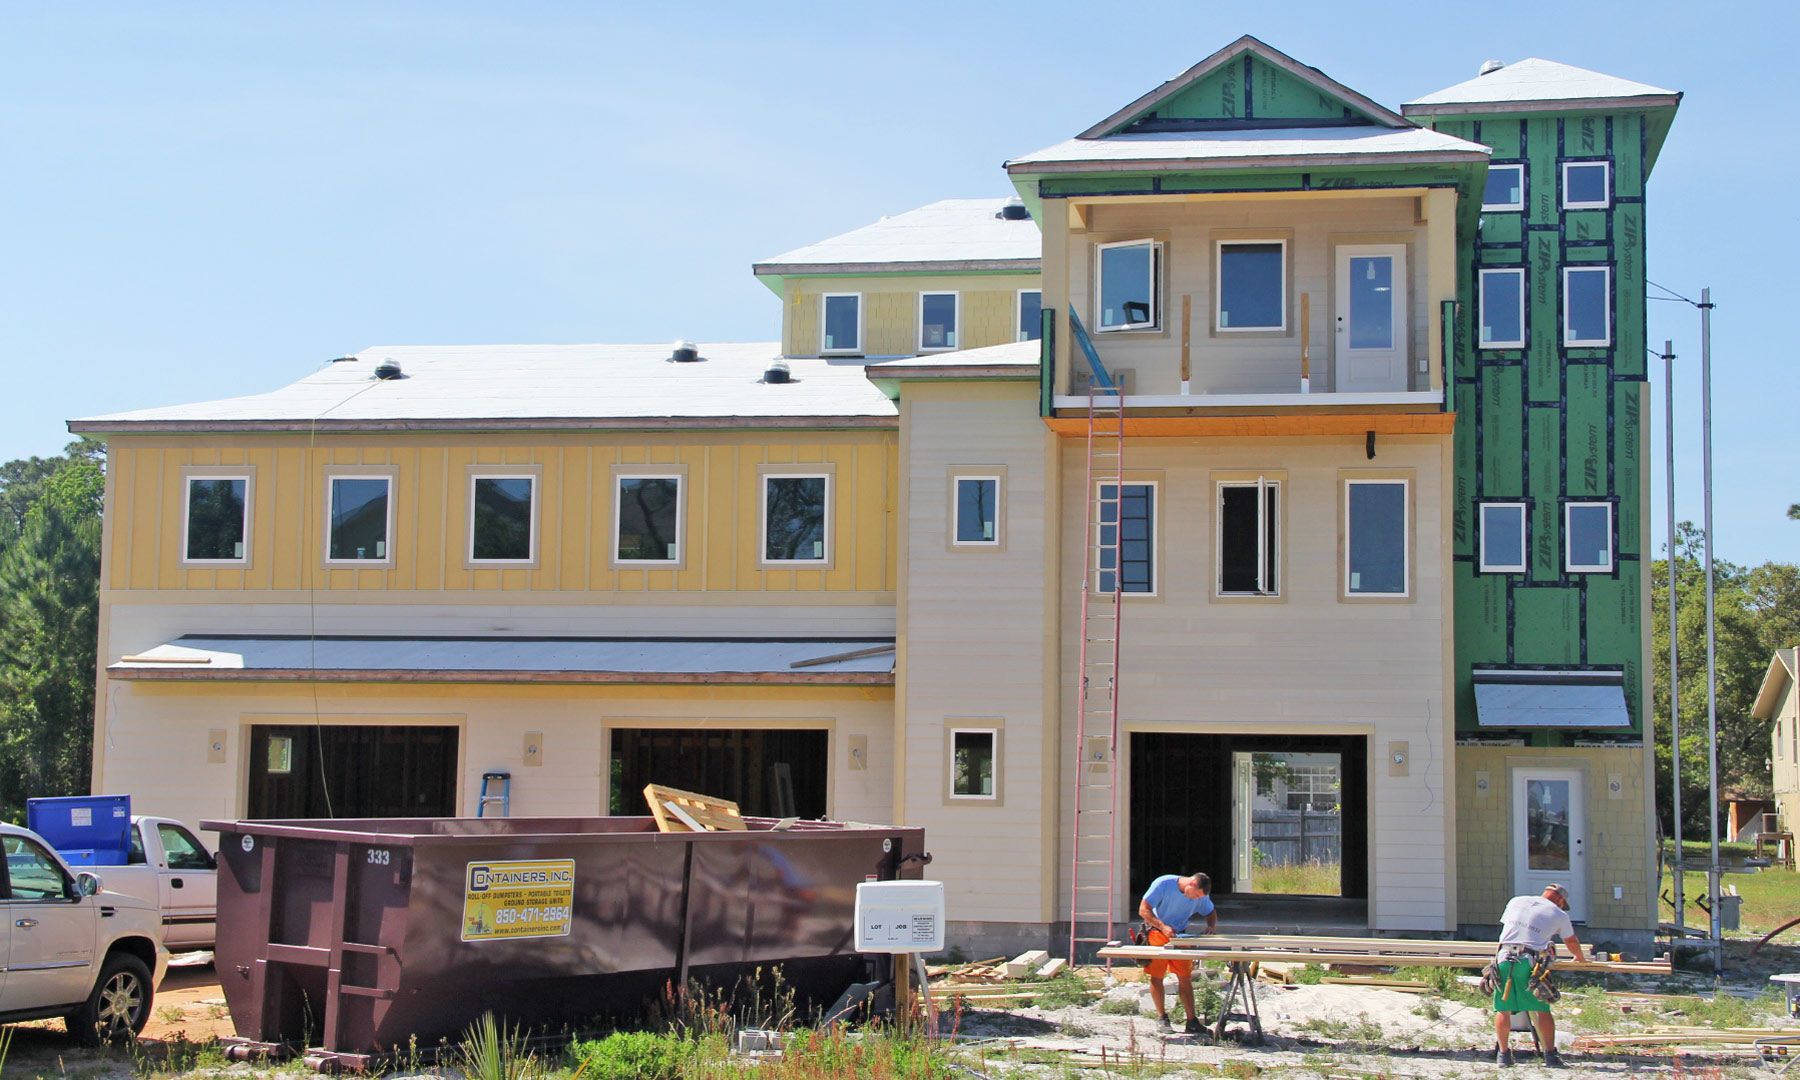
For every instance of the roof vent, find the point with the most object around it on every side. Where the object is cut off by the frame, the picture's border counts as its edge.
(345, 360)
(1014, 210)
(684, 352)
(777, 373)
(389, 368)
(1488, 67)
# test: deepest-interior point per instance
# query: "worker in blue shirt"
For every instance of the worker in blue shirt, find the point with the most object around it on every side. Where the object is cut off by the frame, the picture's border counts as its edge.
(1169, 904)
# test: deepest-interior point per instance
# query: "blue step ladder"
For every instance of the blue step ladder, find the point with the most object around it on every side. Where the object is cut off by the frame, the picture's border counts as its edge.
(489, 797)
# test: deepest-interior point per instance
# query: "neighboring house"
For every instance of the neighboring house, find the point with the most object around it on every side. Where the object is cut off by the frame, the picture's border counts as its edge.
(1368, 500)
(1778, 705)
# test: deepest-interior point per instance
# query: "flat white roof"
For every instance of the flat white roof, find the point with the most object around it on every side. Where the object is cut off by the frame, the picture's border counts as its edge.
(536, 386)
(1240, 147)
(1021, 356)
(1536, 80)
(951, 234)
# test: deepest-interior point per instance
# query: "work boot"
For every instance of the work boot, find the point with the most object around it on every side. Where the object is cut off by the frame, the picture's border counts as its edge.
(1553, 1060)
(1163, 1025)
(1503, 1057)
(1194, 1027)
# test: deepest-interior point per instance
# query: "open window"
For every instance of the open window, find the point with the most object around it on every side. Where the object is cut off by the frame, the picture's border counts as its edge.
(796, 509)
(1252, 286)
(1127, 556)
(1249, 537)
(1505, 188)
(1587, 185)
(217, 519)
(1587, 306)
(841, 323)
(647, 520)
(938, 313)
(1503, 538)
(1376, 547)
(1128, 286)
(1587, 532)
(1503, 308)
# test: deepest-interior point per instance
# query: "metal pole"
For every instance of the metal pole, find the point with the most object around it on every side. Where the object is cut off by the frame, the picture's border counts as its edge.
(1712, 686)
(1674, 642)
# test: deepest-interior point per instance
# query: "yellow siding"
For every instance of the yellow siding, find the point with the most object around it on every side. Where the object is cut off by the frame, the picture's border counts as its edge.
(891, 310)
(722, 527)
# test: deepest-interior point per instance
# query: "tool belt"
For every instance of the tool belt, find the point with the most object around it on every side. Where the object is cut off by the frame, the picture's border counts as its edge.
(1539, 984)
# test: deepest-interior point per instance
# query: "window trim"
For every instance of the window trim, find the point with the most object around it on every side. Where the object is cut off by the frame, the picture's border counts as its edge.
(620, 475)
(1585, 343)
(502, 473)
(188, 476)
(1406, 525)
(1481, 530)
(999, 478)
(1605, 200)
(1481, 307)
(1612, 554)
(762, 532)
(1219, 247)
(825, 309)
(1155, 487)
(1262, 481)
(342, 473)
(994, 729)
(1154, 324)
(1019, 312)
(956, 323)
(1505, 207)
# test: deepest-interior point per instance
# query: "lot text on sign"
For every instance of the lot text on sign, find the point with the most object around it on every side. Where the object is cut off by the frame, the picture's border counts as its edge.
(519, 899)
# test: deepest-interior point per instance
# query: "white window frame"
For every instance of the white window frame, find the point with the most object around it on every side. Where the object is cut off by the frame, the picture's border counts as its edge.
(1612, 557)
(1517, 166)
(680, 544)
(1481, 306)
(1156, 516)
(955, 329)
(387, 538)
(993, 735)
(825, 308)
(1606, 185)
(956, 507)
(1263, 485)
(531, 559)
(187, 499)
(1481, 538)
(1586, 343)
(1156, 265)
(1219, 284)
(1019, 311)
(1405, 539)
(762, 534)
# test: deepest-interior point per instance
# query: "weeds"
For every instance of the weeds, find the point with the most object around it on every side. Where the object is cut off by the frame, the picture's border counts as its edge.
(1121, 1006)
(1066, 989)
(633, 1055)
(491, 1051)
(1310, 975)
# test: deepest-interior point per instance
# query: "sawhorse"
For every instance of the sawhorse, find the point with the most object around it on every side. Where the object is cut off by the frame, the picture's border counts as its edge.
(1240, 1005)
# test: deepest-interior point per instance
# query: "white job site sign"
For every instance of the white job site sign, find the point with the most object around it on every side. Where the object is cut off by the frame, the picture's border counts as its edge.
(522, 899)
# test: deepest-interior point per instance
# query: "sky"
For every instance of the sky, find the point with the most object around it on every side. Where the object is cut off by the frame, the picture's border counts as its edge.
(201, 201)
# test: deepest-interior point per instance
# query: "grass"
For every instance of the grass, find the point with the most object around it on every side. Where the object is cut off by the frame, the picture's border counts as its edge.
(1360, 1030)
(1771, 897)
(1703, 849)
(1312, 878)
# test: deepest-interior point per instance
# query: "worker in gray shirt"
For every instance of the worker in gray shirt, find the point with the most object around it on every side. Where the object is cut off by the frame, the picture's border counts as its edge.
(1527, 929)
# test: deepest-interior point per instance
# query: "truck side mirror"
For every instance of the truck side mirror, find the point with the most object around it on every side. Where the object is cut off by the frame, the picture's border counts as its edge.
(87, 883)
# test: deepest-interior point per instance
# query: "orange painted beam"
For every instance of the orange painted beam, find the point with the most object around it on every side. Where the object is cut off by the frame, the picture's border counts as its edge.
(1433, 423)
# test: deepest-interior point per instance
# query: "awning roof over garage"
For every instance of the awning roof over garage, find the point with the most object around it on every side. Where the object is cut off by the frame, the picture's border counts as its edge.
(1550, 699)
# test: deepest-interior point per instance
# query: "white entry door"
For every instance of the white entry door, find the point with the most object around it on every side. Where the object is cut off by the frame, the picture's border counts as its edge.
(1372, 319)
(1549, 830)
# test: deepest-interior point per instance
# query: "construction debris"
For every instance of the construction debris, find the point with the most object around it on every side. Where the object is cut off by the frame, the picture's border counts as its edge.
(1054, 968)
(1025, 963)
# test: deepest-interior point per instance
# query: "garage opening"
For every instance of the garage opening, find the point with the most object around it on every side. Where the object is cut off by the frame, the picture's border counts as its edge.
(351, 771)
(767, 773)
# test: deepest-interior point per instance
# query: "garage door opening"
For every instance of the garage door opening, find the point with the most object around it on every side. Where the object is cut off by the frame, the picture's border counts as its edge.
(351, 771)
(767, 773)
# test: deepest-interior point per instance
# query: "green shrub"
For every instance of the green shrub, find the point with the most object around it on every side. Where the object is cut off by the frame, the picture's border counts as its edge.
(1310, 975)
(632, 1055)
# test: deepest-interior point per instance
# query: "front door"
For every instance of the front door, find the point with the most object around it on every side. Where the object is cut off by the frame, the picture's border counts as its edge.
(1371, 318)
(1550, 835)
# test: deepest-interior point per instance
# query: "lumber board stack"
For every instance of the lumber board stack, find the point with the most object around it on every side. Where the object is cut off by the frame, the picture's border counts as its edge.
(1373, 952)
(1689, 1036)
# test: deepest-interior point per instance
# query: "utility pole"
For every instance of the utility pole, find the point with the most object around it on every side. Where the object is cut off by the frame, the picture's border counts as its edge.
(1712, 680)
(1668, 358)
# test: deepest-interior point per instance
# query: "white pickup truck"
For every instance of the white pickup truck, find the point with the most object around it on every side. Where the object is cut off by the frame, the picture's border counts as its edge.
(70, 949)
(164, 864)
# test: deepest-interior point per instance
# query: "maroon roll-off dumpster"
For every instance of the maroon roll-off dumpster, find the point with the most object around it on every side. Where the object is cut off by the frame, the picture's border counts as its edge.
(355, 937)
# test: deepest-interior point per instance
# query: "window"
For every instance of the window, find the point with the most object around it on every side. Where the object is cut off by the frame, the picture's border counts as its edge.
(1375, 526)
(842, 323)
(977, 511)
(1588, 538)
(134, 853)
(1503, 538)
(358, 513)
(795, 509)
(184, 852)
(1503, 308)
(503, 524)
(1128, 520)
(33, 872)
(1505, 188)
(1587, 305)
(647, 520)
(280, 760)
(1252, 285)
(937, 321)
(1031, 314)
(218, 519)
(1129, 285)
(1587, 185)
(972, 761)
(1249, 538)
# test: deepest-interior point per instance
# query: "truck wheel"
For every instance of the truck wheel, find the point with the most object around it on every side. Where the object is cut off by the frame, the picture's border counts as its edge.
(119, 1005)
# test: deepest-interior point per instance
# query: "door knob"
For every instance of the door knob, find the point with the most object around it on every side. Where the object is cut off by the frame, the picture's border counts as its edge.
(25, 924)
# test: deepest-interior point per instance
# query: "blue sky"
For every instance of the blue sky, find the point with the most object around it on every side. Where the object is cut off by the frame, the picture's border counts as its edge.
(202, 201)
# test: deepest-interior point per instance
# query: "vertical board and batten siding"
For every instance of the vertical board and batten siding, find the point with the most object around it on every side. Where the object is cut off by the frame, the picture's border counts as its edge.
(988, 316)
(977, 627)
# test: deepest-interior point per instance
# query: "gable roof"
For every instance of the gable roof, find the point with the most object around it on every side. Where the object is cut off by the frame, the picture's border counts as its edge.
(1536, 84)
(945, 236)
(1784, 668)
(1246, 49)
(1242, 148)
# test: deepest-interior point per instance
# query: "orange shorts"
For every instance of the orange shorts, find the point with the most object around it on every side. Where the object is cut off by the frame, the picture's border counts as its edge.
(1183, 969)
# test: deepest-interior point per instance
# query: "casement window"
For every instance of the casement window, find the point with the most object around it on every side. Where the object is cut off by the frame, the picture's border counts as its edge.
(841, 323)
(503, 518)
(1249, 537)
(1128, 286)
(1503, 538)
(1252, 285)
(1587, 305)
(1587, 185)
(1128, 520)
(1503, 308)
(647, 519)
(974, 760)
(1031, 318)
(216, 519)
(977, 521)
(1505, 188)
(1376, 544)
(796, 509)
(1587, 538)
(360, 512)
(937, 321)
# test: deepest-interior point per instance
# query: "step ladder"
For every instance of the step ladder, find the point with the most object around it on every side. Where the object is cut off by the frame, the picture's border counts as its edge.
(490, 797)
(1091, 873)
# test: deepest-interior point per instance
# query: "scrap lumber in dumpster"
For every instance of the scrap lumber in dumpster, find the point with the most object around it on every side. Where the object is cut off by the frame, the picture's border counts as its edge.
(684, 811)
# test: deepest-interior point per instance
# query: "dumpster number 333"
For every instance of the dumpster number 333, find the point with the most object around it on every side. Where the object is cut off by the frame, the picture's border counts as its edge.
(524, 899)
